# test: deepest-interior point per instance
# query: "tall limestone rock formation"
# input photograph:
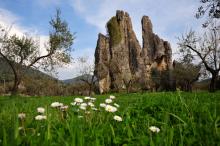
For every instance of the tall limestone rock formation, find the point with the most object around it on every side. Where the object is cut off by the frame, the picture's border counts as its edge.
(120, 62)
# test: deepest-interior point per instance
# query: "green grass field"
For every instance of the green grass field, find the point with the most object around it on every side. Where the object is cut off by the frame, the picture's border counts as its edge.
(183, 119)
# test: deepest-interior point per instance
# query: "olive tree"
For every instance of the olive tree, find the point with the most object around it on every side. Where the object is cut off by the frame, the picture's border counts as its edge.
(209, 8)
(185, 74)
(206, 48)
(86, 72)
(24, 52)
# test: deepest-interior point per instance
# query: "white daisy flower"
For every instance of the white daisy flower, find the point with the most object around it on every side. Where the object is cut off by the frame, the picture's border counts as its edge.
(115, 104)
(40, 117)
(117, 118)
(91, 104)
(83, 104)
(56, 104)
(110, 108)
(21, 115)
(87, 112)
(102, 105)
(78, 100)
(108, 101)
(73, 103)
(93, 99)
(112, 97)
(154, 129)
(64, 108)
(61, 104)
(87, 98)
(82, 107)
(95, 109)
(40, 110)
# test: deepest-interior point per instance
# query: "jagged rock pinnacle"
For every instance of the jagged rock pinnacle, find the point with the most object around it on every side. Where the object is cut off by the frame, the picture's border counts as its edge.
(119, 58)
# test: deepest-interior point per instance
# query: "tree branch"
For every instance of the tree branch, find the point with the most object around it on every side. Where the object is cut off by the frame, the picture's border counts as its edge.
(202, 58)
(39, 58)
(86, 81)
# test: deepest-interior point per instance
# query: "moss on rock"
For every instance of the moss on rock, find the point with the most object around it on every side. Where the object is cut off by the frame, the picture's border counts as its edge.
(114, 31)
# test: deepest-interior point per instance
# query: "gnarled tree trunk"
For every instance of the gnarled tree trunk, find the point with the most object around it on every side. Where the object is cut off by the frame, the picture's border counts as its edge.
(17, 81)
(212, 86)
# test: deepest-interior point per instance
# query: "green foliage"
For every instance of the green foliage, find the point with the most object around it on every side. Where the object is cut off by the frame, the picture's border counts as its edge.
(186, 71)
(60, 36)
(22, 52)
(114, 31)
(24, 48)
(60, 42)
(162, 80)
(186, 74)
(183, 119)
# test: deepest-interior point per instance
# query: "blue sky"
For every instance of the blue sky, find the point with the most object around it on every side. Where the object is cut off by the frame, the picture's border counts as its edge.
(87, 18)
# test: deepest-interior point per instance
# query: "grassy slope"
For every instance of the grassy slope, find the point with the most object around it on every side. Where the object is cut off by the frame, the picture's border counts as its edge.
(184, 119)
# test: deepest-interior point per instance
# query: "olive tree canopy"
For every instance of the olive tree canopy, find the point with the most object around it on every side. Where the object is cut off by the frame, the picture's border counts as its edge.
(24, 52)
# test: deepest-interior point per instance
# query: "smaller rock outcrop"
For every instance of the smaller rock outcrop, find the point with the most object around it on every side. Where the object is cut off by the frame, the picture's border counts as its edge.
(102, 60)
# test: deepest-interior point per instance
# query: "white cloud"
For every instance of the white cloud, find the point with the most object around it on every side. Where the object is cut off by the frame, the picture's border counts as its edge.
(79, 6)
(68, 71)
(46, 3)
(170, 19)
(98, 12)
(11, 23)
(165, 15)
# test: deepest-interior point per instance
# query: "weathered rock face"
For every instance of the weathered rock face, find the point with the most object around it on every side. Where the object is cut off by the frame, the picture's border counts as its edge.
(119, 59)
(102, 61)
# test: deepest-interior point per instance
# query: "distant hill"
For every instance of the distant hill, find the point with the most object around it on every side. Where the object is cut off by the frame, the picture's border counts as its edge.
(78, 80)
(7, 74)
(204, 81)
(204, 84)
(34, 82)
(37, 83)
(207, 81)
